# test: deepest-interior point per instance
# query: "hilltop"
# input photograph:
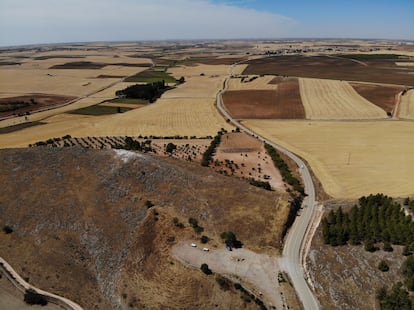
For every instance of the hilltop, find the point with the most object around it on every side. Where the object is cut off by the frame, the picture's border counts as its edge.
(97, 226)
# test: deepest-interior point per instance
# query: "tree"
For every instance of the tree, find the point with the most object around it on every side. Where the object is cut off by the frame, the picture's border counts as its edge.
(387, 247)
(170, 147)
(230, 239)
(31, 297)
(204, 268)
(204, 239)
(383, 266)
(7, 229)
(149, 204)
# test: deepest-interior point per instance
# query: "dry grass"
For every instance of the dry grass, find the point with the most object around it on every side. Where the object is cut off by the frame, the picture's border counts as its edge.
(329, 99)
(351, 159)
(407, 105)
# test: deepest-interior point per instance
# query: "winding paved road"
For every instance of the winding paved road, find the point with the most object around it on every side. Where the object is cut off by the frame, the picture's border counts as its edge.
(292, 251)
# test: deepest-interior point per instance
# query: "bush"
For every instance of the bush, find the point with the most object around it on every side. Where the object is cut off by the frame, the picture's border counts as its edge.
(230, 239)
(7, 229)
(387, 247)
(31, 297)
(204, 268)
(383, 266)
(204, 239)
(170, 147)
(149, 204)
(370, 246)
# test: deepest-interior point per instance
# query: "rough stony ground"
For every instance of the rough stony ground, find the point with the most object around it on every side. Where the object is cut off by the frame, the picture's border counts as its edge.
(82, 229)
(347, 277)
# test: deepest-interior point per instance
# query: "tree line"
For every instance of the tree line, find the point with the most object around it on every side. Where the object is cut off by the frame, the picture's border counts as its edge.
(284, 169)
(208, 154)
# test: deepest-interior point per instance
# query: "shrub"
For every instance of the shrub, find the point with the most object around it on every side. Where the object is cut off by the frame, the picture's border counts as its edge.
(204, 239)
(149, 204)
(7, 229)
(383, 266)
(31, 297)
(204, 268)
(230, 239)
(370, 246)
(387, 247)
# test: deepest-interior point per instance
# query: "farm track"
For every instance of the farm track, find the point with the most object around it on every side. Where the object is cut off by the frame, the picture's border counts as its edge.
(22, 285)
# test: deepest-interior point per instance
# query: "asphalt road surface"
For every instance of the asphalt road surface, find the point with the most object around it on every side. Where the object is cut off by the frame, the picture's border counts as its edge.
(291, 260)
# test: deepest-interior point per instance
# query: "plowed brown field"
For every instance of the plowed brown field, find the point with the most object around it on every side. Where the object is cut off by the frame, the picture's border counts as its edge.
(380, 95)
(282, 103)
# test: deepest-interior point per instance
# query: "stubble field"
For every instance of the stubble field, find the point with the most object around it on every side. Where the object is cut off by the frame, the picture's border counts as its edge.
(351, 159)
(407, 105)
(329, 99)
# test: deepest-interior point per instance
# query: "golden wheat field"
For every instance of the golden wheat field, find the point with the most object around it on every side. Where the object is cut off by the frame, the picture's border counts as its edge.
(351, 159)
(257, 83)
(407, 105)
(335, 100)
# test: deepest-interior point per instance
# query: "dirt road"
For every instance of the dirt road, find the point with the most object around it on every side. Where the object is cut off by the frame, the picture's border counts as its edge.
(260, 270)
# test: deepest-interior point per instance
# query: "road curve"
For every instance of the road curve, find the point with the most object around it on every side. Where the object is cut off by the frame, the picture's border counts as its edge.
(22, 285)
(292, 251)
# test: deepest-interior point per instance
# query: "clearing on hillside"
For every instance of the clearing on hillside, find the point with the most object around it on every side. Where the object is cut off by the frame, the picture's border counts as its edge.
(284, 102)
(351, 159)
(245, 157)
(407, 105)
(329, 100)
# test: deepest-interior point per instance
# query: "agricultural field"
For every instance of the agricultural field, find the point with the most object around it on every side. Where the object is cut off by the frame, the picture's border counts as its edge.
(351, 159)
(252, 83)
(283, 102)
(329, 100)
(373, 69)
(382, 96)
(407, 105)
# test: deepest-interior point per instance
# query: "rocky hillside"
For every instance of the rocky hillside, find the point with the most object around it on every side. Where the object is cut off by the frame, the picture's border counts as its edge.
(82, 226)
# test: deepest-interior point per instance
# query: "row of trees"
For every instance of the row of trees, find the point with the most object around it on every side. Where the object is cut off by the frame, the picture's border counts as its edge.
(284, 169)
(208, 154)
(150, 91)
(378, 218)
(131, 144)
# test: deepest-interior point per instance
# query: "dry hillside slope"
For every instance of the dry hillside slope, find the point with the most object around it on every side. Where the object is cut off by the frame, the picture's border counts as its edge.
(81, 227)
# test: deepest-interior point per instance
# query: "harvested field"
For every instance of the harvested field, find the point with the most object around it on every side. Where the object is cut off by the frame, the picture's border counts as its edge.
(243, 156)
(29, 103)
(252, 83)
(380, 95)
(324, 67)
(407, 105)
(282, 103)
(351, 159)
(329, 99)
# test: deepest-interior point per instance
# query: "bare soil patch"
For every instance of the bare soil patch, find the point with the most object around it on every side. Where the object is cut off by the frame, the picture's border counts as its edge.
(324, 67)
(29, 103)
(243, 156)
(380, 95)
(282, 103)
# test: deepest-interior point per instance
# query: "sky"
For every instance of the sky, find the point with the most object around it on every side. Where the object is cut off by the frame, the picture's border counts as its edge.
(58, 21)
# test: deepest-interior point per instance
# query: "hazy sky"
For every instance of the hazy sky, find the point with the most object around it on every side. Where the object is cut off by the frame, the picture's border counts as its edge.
(52, 21)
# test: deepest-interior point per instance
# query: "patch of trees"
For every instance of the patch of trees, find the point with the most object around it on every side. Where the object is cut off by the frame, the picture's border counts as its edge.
(378, 218)
(133, 145)
(261, 184)
(293, 210)
(230, 239)
(397, 298)
(284, 169)
(150, 91)
(208, 154)
(31, 297)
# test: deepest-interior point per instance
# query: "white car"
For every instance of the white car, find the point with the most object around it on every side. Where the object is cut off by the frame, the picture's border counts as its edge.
(206, 249)
(193, 245)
